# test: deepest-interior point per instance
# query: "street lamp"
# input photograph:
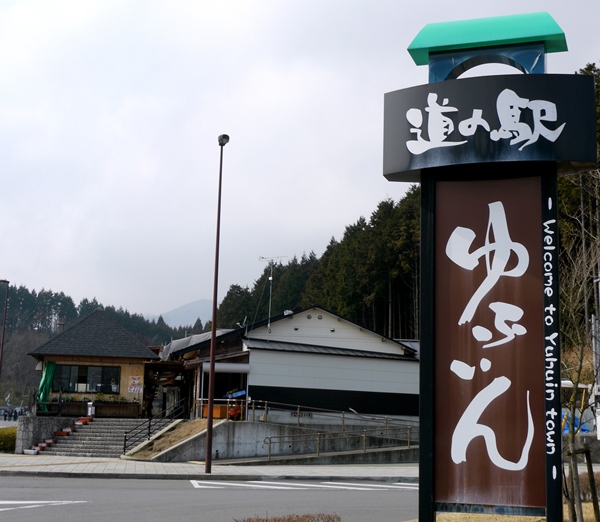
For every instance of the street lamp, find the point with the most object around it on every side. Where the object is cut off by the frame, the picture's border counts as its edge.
(223, 140)
(5, 282)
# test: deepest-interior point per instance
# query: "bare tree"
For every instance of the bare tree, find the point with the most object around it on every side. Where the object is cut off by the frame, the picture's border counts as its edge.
(579, 269)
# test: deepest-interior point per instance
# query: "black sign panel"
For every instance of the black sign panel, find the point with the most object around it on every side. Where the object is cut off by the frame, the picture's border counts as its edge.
(490, 119)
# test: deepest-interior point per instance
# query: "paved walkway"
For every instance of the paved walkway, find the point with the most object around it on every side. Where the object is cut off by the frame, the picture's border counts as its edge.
(84, 467)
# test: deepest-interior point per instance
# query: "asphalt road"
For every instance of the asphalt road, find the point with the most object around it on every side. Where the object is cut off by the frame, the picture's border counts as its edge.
(114, 500)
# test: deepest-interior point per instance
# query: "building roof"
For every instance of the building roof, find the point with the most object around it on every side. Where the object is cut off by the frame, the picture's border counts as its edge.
(324, 350)
(96, 335)
(412, 344)
(498, 31)
(180, 347)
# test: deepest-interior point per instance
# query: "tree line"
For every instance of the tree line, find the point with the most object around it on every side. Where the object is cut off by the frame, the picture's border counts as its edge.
(370, 276)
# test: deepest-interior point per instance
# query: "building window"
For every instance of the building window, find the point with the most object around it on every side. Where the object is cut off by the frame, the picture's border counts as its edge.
(86, 379)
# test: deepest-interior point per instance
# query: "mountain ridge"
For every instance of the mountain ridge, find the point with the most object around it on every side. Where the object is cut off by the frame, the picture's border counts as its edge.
(186, 315)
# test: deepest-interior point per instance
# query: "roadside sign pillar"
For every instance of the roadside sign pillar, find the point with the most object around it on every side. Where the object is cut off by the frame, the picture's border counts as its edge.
(487, 151)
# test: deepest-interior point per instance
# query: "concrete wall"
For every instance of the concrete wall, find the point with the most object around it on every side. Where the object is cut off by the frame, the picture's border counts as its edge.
(245, 440)
(31, 430)
(235, 440)
(381, 456)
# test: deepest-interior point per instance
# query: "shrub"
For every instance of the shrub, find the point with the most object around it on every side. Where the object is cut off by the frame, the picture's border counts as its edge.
(584, 485)
(8, 439)
(319, 517)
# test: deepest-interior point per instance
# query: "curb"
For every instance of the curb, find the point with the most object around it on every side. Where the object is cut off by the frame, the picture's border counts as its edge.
(200, 476)
(127, 476)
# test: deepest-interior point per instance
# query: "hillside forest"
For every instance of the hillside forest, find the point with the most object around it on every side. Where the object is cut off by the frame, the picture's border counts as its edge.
(369, 276)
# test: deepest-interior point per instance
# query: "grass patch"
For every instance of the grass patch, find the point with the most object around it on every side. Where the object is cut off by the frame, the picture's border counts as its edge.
(8, 439)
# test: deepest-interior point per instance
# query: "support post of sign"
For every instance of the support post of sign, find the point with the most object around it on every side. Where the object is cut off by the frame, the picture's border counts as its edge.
(426, 369)
(553, 414)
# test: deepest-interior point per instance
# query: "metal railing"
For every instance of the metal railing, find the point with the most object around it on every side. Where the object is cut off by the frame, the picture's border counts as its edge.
(234, 409)
(148, 427)
(340, 417)
(337, 430)
(329, 431)
(294, 409)
(259, 410)
(363, 440)
(54, 407)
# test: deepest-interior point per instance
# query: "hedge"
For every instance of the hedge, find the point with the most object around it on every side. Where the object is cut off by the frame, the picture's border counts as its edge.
(8, 439)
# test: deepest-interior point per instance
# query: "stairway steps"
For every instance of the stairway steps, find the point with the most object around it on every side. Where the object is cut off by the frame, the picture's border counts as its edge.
(83, 442)
(94, 437)
(84, 452)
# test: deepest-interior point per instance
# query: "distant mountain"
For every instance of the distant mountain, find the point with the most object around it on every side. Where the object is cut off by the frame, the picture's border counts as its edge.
(186, 315)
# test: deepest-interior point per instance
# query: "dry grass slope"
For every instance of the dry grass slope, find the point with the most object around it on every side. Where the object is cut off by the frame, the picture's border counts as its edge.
(184, 430)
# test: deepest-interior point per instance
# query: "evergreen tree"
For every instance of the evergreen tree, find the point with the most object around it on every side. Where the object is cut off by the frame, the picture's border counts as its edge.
(236, 305)
(371, 276)
(21, 308)
(86, 306)
(287, 294)
(197, 328)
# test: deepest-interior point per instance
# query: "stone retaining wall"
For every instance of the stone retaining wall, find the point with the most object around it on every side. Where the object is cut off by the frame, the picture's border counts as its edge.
(31, 430)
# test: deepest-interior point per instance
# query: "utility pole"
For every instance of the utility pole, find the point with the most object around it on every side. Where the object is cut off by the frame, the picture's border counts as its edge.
(271, 260)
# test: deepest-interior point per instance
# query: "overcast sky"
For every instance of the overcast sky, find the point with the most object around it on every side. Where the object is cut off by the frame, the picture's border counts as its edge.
(110, 113)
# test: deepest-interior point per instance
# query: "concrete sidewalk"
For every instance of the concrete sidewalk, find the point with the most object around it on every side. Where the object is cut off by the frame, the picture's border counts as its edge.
(84, 467)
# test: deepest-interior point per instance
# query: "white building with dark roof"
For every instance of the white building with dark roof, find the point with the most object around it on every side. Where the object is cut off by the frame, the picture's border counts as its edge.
(309, 358)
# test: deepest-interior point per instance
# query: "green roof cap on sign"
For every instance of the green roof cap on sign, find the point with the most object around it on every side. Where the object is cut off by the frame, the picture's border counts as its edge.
(487, 32)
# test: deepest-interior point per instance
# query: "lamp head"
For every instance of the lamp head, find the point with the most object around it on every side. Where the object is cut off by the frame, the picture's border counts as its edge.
(223, 140)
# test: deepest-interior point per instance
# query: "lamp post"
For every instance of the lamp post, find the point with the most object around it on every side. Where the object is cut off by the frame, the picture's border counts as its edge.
(223, 140)
(5, 282)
